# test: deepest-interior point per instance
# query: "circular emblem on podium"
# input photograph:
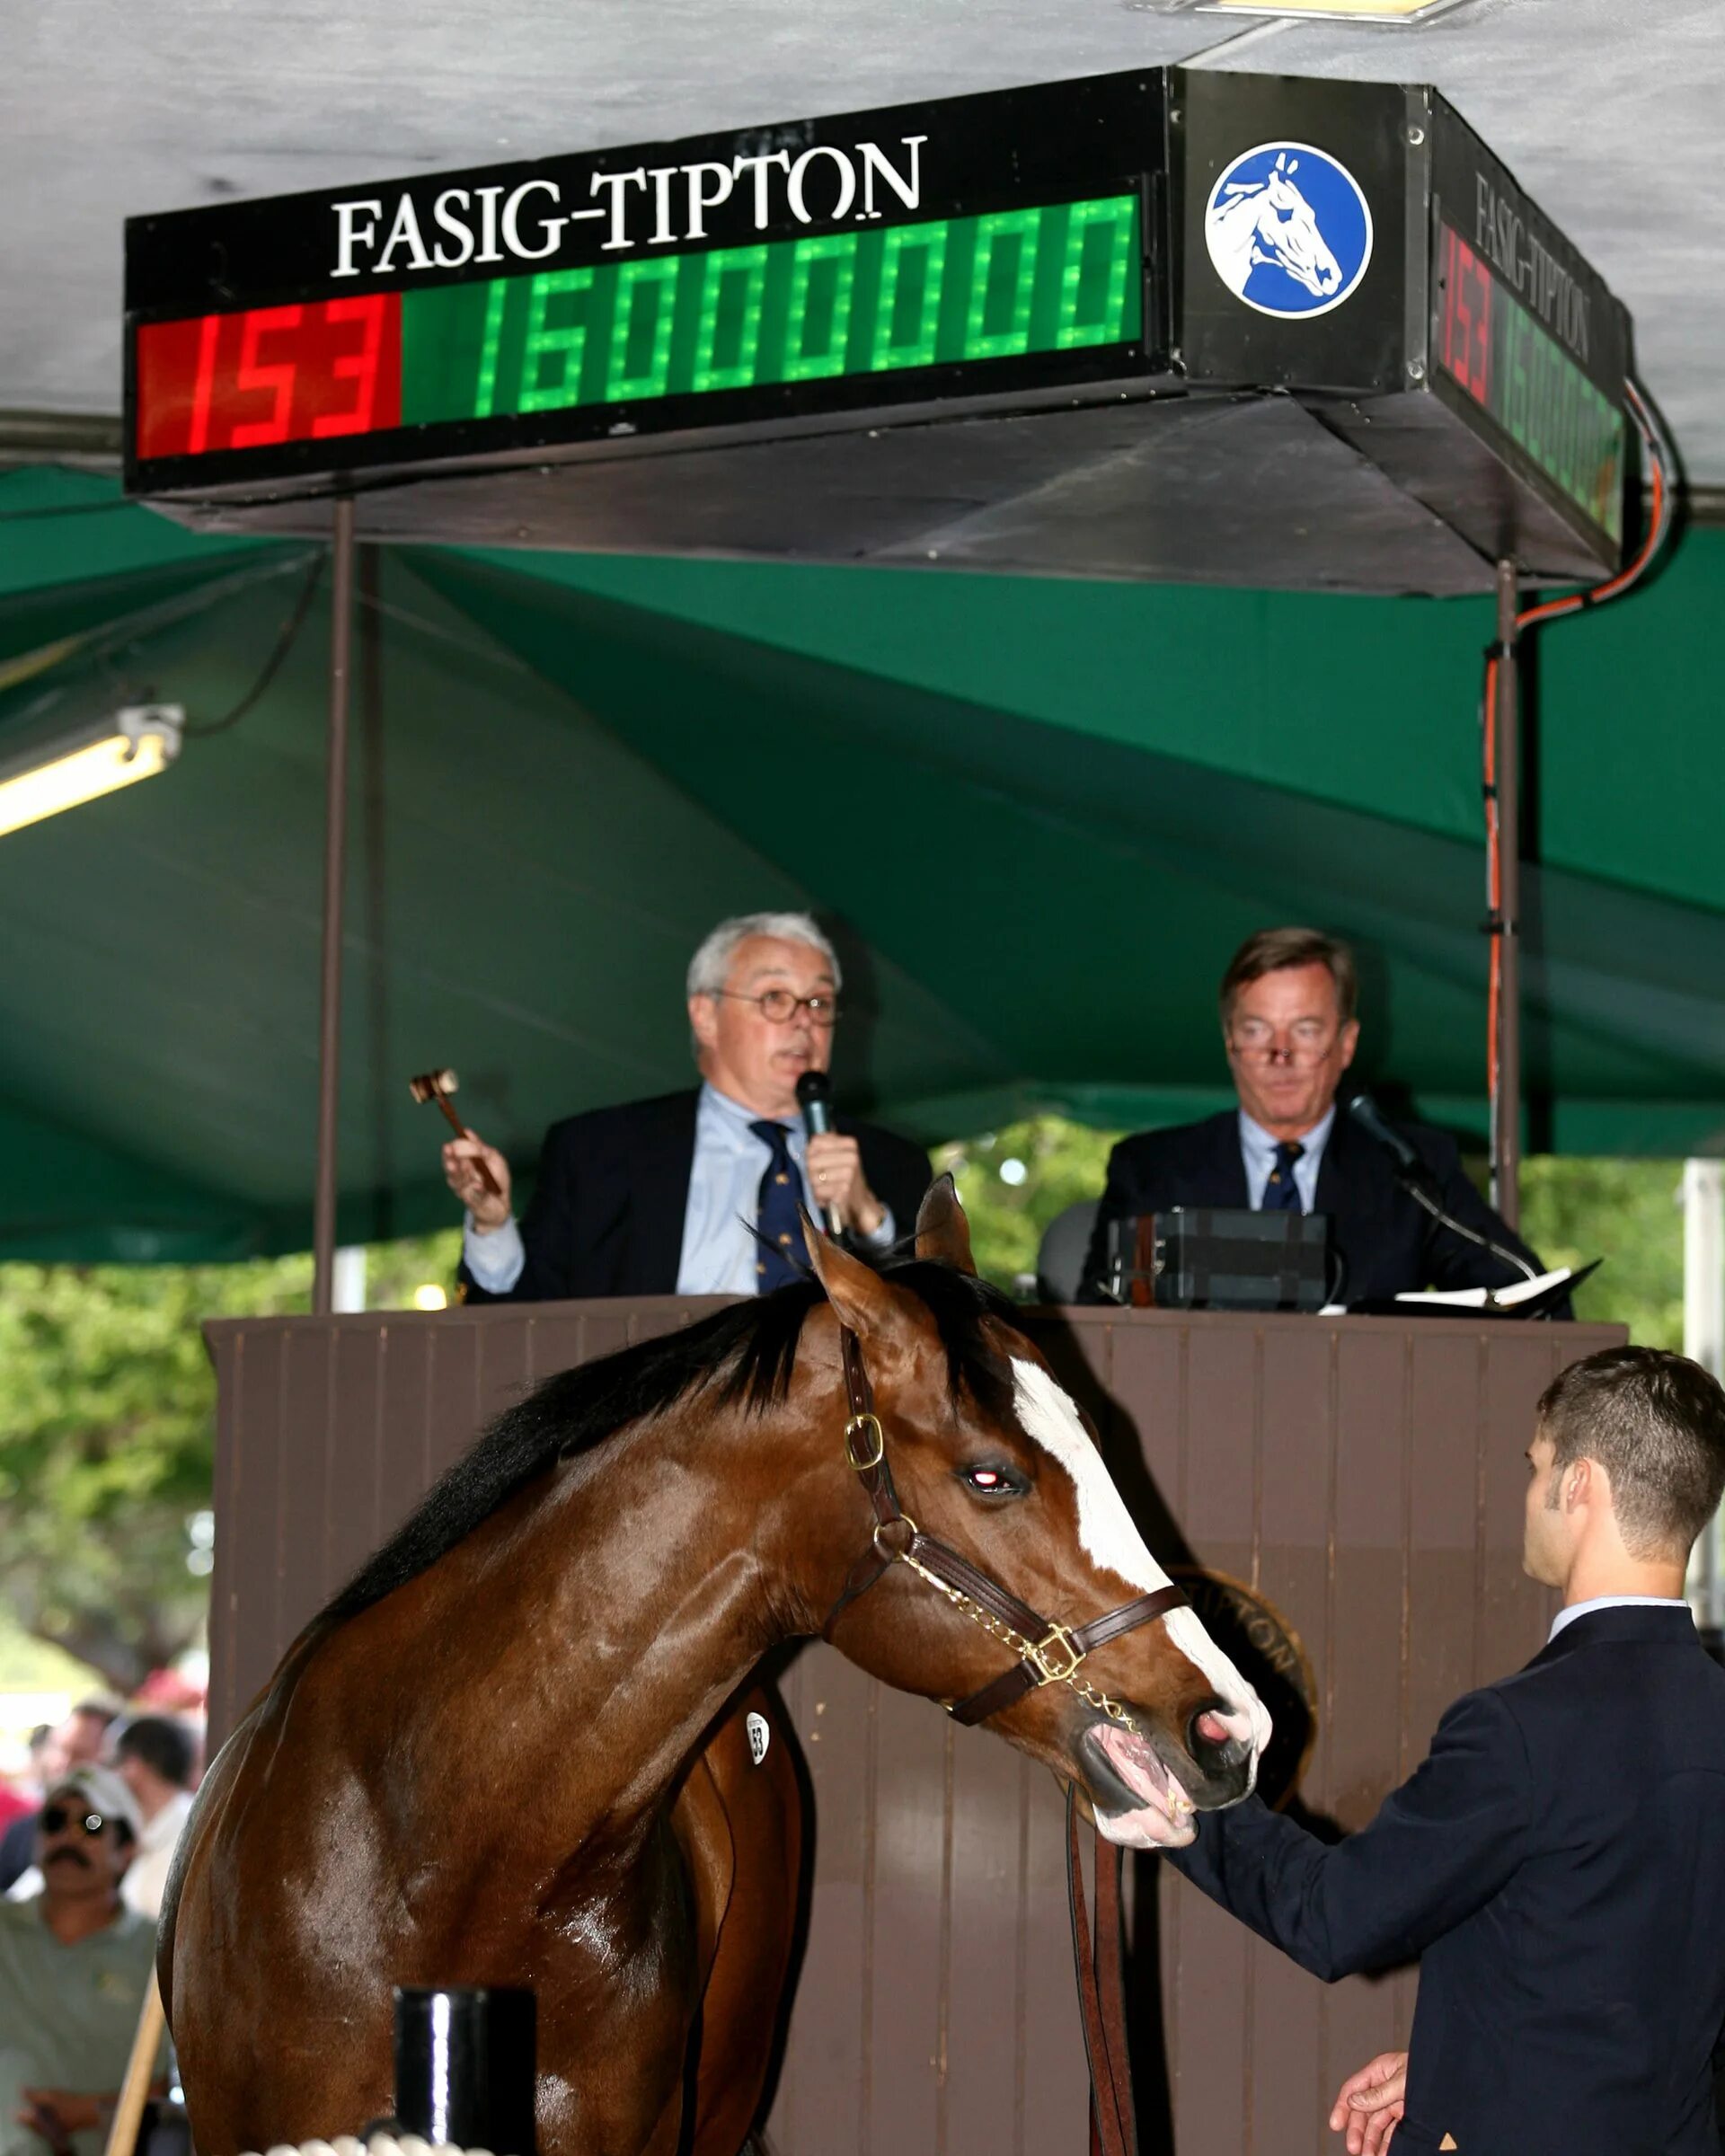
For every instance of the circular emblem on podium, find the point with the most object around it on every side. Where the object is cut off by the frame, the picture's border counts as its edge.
(1271, 1656)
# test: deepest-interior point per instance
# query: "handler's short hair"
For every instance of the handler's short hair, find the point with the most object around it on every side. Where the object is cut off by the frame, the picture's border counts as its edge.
(1276, 949)
(1655, 1423)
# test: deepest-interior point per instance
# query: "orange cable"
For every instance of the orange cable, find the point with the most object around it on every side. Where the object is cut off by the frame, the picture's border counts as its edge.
(1549, 609)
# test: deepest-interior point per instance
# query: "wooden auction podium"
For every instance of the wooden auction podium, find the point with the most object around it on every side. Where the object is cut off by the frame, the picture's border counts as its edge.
(1362, 1476)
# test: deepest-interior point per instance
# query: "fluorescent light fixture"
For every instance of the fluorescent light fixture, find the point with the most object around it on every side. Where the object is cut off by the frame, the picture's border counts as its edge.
(61, 770)
(1402, 12)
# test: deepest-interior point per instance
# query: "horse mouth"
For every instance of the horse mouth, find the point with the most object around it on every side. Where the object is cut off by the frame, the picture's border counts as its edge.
(1137, 1801)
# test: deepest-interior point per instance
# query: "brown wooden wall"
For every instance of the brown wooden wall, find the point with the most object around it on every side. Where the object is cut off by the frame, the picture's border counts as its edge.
(1365, 1476)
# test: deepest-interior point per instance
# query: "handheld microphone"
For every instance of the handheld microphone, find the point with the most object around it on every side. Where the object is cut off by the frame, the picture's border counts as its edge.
(815, 1098)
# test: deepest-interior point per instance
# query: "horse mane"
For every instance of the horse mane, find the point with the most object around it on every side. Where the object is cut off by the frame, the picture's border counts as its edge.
(746, 1354)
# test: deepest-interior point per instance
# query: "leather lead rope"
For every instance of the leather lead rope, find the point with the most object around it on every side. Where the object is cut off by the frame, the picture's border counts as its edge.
(1049, 1653)
(1099, 1960)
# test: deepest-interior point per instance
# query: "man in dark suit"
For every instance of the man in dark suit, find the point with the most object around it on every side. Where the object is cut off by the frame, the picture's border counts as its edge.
(662, 1196)
(1289, 1027)
(1558, 1861)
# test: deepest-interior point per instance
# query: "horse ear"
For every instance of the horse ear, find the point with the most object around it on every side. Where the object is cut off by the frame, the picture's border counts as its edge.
(861, 1298)
(943, 1231)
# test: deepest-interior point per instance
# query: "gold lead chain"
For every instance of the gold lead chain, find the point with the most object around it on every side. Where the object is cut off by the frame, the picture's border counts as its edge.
(1022, 1647)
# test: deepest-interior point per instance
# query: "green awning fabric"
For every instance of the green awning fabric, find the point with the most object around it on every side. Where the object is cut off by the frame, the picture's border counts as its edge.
(1038, 814)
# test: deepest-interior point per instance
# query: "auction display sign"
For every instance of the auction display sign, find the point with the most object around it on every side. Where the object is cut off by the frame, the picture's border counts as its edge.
(992, 244)
(1142, 236)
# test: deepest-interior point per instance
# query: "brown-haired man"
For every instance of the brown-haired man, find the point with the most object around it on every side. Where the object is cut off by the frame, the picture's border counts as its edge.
(1289, 1027)
(1558, 1862)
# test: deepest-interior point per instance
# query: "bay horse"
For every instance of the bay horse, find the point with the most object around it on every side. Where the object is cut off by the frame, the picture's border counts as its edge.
(511, 1752)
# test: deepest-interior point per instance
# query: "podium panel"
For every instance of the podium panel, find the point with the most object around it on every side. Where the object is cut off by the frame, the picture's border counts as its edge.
(1360, 1477)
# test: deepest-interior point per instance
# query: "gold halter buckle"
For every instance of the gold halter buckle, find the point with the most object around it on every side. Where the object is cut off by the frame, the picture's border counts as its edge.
(1054, 1657)
(868, 1428)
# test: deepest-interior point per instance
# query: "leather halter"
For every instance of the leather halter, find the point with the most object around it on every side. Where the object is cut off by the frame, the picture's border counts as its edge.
(1049, 1653)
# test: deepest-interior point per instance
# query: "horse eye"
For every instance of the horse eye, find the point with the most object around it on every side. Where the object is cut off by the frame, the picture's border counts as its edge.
(989, 1482)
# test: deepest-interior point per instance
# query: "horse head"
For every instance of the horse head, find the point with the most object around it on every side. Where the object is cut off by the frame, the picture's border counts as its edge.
(1289, 230)
(990, 1458)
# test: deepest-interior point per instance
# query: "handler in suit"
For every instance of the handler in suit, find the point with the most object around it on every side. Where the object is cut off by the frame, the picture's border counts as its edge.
(1558, 1861)
(1288, 1025)
(656, 1197)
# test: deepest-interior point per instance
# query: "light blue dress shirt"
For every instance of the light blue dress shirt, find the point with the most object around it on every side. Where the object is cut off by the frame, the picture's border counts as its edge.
(1258, 1150)
(719, 1252)
(1613, 1601)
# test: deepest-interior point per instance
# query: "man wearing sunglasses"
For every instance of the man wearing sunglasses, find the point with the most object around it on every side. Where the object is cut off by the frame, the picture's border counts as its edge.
(74, 1964)
(696, 1193)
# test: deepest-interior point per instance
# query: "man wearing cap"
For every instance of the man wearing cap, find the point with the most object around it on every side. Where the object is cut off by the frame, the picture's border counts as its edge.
(74, 1965)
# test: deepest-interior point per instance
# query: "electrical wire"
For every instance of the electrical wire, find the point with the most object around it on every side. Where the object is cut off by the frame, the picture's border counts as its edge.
(285, 642)
(1660, 518)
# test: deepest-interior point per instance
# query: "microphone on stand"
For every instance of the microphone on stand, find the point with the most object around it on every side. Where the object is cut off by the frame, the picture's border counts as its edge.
(815, 1098)
(1419, 1182)
(1367, 1114)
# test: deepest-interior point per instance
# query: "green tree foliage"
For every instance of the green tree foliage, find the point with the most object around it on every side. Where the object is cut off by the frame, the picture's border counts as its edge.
(1625, 1212)
(107, 1410)
(107, 1439)
(1013, 1181)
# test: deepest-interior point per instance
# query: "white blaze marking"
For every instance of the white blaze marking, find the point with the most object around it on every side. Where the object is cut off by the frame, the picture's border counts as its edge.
(1105, 1527)
(1106, 1534)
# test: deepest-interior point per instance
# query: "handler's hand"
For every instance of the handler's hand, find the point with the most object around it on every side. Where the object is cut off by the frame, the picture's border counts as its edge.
(1369, 2103)
(836, 1176)
(461, 1158)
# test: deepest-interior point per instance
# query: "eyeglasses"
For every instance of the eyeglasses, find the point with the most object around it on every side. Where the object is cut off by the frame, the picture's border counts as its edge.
(1258, 1042)
(57, 1817)
(778, 1006)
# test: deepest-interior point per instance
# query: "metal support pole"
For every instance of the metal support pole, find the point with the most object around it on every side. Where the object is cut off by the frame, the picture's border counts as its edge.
(335, 847)
(1506, 1107)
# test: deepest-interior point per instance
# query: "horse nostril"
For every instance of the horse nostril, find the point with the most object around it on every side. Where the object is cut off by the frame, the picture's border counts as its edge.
(1212, 1741)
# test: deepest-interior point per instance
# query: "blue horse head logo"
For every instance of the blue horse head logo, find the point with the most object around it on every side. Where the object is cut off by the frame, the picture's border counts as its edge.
(1289, 229)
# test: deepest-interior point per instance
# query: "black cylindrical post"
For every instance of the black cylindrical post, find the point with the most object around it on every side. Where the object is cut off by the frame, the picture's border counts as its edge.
(465, 2067)
(1505, 1106)
(335, 852)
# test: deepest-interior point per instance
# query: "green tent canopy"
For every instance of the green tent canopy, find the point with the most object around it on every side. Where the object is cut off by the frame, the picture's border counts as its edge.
(1038, 814)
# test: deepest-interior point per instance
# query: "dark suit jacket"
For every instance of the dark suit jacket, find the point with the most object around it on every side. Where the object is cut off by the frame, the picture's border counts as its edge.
(1558, 1862)
(606, 1213)
(1389, 1243)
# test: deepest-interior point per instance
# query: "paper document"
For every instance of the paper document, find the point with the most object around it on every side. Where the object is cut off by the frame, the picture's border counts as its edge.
(1500, 1298)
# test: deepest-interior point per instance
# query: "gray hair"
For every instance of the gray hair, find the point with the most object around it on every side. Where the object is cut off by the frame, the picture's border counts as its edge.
(710, 968)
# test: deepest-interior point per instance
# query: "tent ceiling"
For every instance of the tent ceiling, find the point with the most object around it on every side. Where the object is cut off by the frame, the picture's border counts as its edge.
(1607, 112)
(1041, 814)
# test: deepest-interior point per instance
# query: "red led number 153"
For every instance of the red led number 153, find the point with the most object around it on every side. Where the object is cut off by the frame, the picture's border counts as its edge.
(299, 373)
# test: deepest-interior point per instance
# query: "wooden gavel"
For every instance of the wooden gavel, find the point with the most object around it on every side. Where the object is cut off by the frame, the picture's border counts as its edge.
(437, 1085)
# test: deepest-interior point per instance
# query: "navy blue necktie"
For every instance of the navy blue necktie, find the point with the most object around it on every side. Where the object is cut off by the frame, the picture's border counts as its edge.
(1281, 1193)
(782, 1254)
